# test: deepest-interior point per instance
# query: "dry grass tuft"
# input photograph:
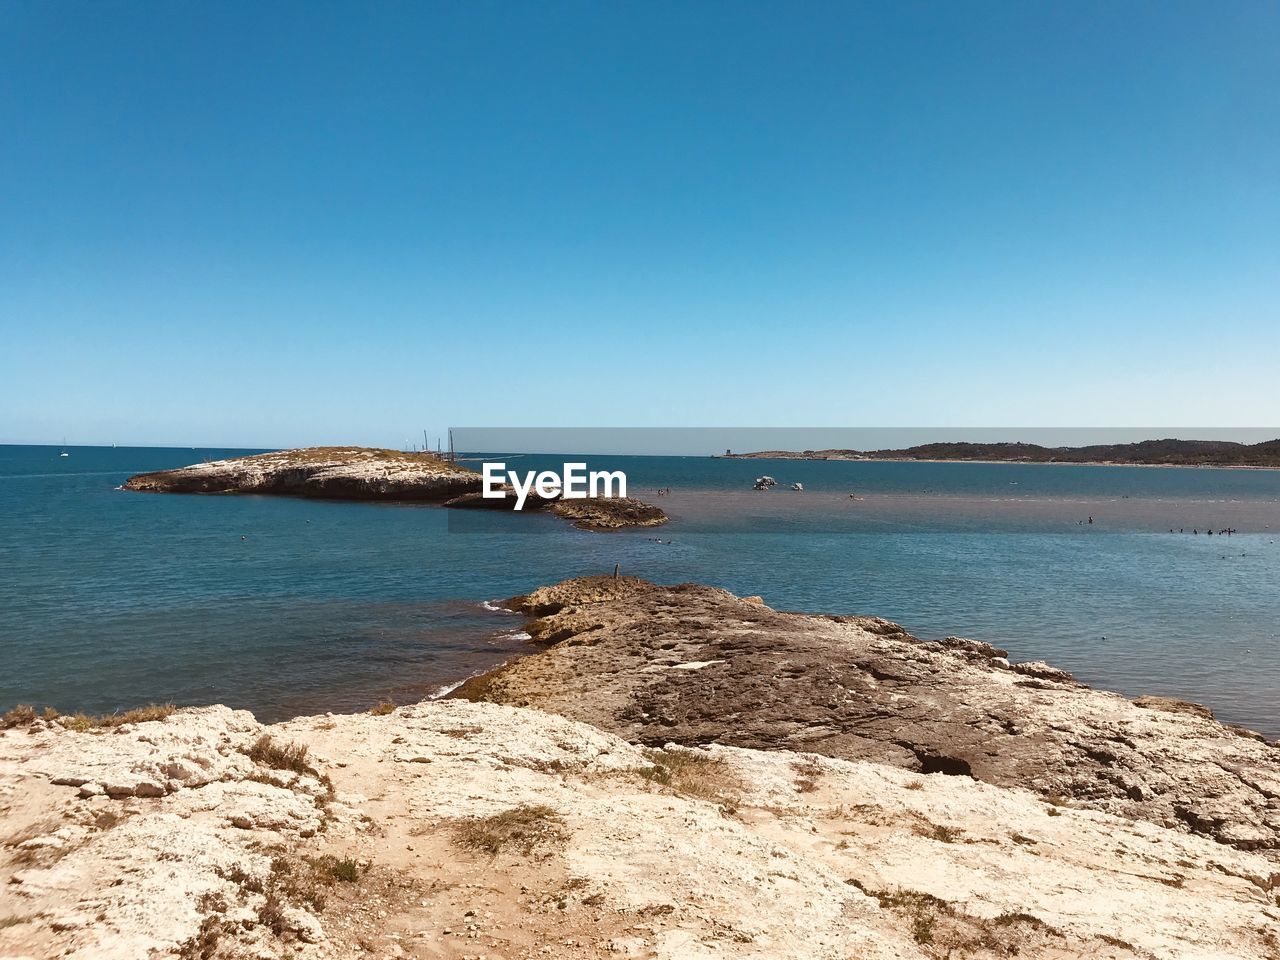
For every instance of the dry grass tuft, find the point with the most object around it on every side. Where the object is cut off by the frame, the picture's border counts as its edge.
(950, 932)
(462, 733)
(1117, 942)
(383, 708)
(20, 716)
(1011, 918)
(808, 773)
(524, 828)
(24, 714)
(280, 756)
(242, 878)
(921, 909)
(302, 882)
(83, 722)
(307, 881)
(271, 914)
(922, 925)
(270, 779)
(942, 834)
(692, 773)
(340, 871)
(203, 944)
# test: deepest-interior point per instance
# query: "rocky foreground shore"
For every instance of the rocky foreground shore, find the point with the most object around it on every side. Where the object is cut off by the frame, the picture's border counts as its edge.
(739, 791)
(363, 473)
(693, 665)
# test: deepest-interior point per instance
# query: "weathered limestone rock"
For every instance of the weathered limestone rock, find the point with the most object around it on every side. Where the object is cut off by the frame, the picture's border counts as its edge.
(863, 689)
(617, 850)
(343, 473)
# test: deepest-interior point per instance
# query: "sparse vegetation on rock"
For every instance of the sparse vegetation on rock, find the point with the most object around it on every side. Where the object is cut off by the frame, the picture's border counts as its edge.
(524, 829)
(280, 756)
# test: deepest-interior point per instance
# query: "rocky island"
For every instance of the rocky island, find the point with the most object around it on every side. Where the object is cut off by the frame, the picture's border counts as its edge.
(363, 473)
(676, 772)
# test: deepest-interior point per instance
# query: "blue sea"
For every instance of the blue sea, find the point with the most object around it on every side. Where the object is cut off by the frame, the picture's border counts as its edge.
(109, 599)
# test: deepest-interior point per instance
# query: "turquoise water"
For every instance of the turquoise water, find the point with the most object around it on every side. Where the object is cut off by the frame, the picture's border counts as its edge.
(109, 599)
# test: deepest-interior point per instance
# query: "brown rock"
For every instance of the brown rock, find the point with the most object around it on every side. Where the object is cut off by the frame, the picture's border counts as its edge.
(1170, 705)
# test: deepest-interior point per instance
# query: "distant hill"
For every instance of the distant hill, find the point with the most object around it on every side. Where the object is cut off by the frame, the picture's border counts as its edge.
(1187, 453)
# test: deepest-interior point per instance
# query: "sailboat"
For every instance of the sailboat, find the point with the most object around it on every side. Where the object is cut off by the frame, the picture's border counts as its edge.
(64, 448)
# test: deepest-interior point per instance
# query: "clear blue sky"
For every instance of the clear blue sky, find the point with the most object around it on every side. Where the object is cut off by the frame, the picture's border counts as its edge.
(272, 224)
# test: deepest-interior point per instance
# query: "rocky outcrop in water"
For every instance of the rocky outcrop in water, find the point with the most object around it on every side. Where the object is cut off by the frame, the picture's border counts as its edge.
(342, 473)
(591, 513)
(360, 473)
(615, 513)
(696, 665)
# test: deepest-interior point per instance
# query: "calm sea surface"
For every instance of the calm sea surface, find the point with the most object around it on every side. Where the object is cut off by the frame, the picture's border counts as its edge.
(109, 599)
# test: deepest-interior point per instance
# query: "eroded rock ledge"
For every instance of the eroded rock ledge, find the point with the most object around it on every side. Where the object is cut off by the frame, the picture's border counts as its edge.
(361, 473)
(696, 665)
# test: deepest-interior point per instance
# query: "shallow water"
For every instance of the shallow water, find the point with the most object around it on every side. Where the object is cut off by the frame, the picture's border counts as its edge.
(283, 606)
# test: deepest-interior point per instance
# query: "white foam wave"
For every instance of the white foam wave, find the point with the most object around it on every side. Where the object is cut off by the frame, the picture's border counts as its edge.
(447, 689)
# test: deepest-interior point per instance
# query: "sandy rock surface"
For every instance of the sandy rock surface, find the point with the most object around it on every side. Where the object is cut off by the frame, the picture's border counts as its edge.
(696, 665)
(452, 829)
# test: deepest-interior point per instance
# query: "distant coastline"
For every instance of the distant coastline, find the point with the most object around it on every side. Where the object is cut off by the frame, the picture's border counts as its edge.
(785, 455)
(1147, 453)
